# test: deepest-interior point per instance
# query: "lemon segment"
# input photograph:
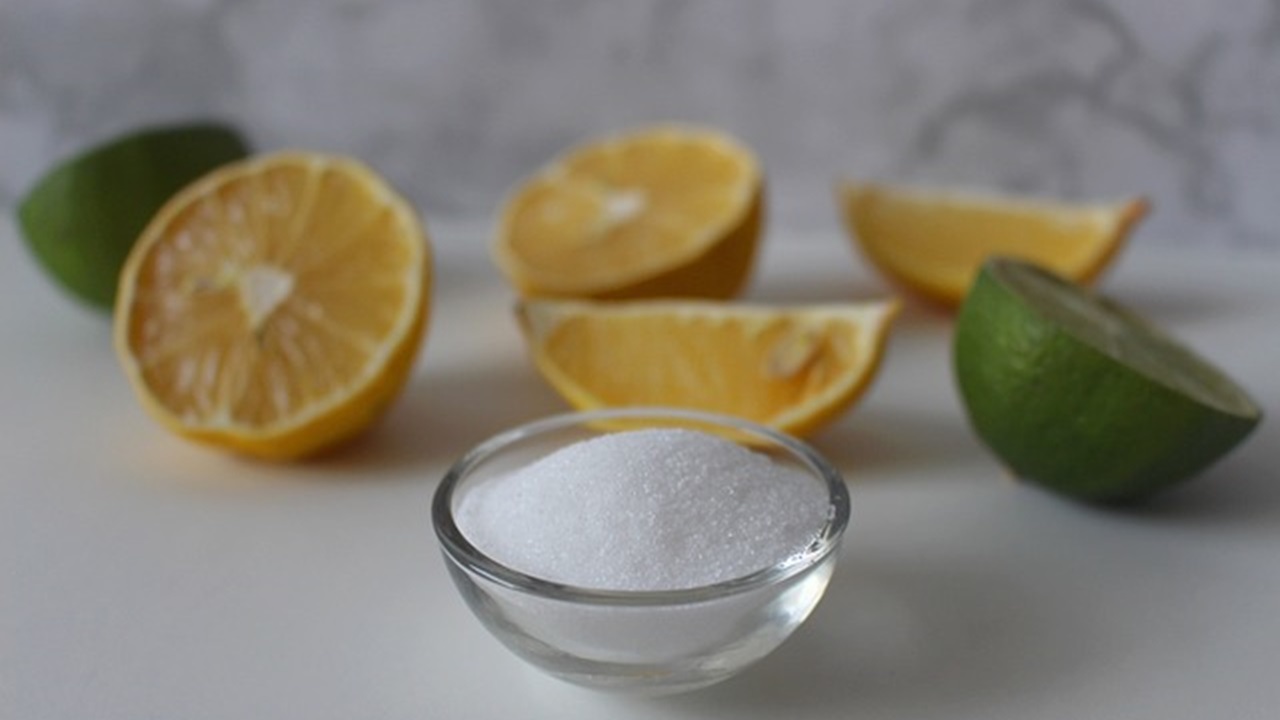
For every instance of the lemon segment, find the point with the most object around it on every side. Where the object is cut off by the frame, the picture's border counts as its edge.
(933, 242)
(795, 368)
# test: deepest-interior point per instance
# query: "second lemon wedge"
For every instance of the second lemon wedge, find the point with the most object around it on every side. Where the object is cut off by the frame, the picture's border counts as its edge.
(934, 241)
(795, 368)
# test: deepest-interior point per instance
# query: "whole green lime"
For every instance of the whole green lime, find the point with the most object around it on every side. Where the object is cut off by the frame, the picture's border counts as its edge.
(82, 217)
(1079, 395)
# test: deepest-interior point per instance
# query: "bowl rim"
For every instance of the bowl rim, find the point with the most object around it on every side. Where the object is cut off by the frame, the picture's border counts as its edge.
(468, 557)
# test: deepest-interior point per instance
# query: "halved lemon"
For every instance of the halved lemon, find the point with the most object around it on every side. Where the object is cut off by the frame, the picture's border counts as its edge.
(934, 241)
(274, 307)
(794, 368)
(666, 211)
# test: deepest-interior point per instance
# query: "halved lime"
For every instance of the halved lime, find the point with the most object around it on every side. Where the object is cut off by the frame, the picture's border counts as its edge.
(83, 216)
(1077, 394)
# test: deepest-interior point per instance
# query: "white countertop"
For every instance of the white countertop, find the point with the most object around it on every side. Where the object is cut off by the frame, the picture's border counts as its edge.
(144, 577)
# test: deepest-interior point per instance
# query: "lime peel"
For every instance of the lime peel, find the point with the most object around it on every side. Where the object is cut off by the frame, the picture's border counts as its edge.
(1080, 395)
(82, 217)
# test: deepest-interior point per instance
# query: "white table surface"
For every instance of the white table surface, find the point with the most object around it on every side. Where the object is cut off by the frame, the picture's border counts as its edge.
(144, 577)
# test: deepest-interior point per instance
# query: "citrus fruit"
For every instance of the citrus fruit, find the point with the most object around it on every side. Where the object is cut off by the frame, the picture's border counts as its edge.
(275, 306)
(665, 211)
(794, 368)
(1078, 394)
(933, 242)
(82, 217)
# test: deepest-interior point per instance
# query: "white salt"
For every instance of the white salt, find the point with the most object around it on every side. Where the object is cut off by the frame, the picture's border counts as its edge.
(655, 509)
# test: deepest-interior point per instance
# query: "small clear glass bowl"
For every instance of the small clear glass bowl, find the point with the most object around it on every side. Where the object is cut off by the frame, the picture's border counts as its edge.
(646, 642)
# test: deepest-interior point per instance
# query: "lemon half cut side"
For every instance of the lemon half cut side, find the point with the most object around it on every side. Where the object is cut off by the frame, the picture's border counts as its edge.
(275, 306)
(661, 211)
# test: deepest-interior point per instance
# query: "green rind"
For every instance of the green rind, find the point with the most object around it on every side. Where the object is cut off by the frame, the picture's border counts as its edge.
(81, 218)
(1064, 415)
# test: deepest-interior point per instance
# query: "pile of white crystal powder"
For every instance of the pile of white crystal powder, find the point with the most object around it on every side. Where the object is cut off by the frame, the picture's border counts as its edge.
(658, 509)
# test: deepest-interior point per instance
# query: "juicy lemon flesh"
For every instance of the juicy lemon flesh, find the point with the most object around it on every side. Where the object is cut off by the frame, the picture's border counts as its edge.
(270, 300)
(790, 369)
(621, 211)
(935, 242)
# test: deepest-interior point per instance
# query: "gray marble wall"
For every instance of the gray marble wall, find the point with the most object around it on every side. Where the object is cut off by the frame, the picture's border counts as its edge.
(456, 99)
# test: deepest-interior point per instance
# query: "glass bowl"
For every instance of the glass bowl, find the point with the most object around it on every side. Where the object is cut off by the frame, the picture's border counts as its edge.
(651, 641)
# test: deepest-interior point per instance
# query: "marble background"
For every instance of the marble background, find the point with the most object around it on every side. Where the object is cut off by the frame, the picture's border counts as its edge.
(455, 100)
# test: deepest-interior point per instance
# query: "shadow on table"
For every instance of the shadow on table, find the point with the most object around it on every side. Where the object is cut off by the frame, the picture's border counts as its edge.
(885, 438)
(444, 413)
(1241, 489)
(912, 640)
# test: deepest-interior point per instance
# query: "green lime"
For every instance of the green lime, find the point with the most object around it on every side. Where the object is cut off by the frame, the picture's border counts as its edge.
(82, 217)
(1081, 396)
